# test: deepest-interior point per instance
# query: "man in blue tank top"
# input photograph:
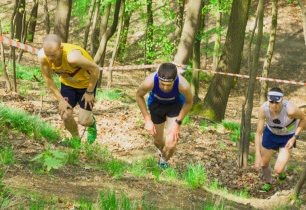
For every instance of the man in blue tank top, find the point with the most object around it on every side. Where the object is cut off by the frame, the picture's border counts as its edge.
(169, 101)
(280, 123)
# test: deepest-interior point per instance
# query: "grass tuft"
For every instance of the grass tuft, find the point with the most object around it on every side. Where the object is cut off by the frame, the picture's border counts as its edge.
(27, 124)
(195, 175)
(6, 156)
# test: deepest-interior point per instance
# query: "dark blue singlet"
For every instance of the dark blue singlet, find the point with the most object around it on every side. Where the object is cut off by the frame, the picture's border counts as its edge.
(174, 96)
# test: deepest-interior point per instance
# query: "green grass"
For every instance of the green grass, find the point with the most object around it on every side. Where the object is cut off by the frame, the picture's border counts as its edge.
(194, 175)
(145, 167)
(170, 174)
(74, 143)
(28, 124)
(232, 126)
(94, 152)
(73, 156)
(86, 204)
(186, 120)
(108, 94)
(51, 159)
(6, 156)
(110, 201)
(114, 167)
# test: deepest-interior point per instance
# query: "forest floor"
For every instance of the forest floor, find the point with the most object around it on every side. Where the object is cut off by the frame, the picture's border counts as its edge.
(120, 129)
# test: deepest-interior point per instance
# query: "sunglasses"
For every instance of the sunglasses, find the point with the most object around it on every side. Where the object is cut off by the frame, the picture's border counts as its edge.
(274, 102)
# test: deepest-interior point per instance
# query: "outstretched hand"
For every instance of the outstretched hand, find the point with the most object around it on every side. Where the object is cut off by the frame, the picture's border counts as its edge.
(89, 100)
(63, 107)
(175, 132)
(290, 143)
(149, 126)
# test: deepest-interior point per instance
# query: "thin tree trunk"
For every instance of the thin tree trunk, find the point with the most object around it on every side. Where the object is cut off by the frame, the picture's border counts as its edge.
(179, 21)
(268, 59)
(103, 29)
(189, 31)
(215, 101)
(19, 19)
(217, 39)
(46, 16)
(303, 10)
(87, 28)
(149, 34)
(32, 22)
(300, 183)
(5, 74)
(108, 34)
(196, 61)
(124, 34)
(115, 50)
(247, 107)
(62, 19)
(94, 34)
(24, 35)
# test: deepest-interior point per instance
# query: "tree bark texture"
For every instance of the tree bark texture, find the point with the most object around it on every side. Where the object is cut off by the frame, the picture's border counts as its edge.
(217, 39)
(62, 19)
(189, 31)
(46, 16)
(32, 22)
(149, 34)
(108, 34)
(87, 28)
(215, 101)
(269, 55)
(245, 128)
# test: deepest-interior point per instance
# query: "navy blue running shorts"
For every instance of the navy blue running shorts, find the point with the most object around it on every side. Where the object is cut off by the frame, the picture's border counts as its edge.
(273, 141)
(74, 96)
(159, 111)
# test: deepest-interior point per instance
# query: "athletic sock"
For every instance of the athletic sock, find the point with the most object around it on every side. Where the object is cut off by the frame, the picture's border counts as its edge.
(267, 174)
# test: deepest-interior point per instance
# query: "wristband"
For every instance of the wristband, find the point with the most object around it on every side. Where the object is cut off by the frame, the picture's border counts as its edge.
(89, 92)
(297, 136)
(178, 121)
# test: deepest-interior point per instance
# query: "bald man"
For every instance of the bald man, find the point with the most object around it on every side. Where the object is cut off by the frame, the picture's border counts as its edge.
(78, 75)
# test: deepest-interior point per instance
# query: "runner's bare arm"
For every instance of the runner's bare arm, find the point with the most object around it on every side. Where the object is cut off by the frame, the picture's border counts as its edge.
(76, 58)
(295, 113)
(47, 75)
(143, 89)
(185, 89)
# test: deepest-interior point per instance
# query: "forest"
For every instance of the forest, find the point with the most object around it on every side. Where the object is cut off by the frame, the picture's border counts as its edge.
(230, 52)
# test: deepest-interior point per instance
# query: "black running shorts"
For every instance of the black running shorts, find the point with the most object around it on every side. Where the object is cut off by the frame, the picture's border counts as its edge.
(159, 111)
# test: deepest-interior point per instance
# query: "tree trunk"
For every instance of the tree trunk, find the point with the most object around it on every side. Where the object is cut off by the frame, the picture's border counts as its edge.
(95, 30)
(19, 19)
(300, 183)
(217, 39)
(149, 34)
(124, 34)
(87, 28)
(46, 17)
(24, 32)
(267, 63)
(103, 29)
(108, 34)
(303, 8)
(218, 92)
(189, 30)
(62, 19)
(32, 22)
(5, 74)
(115, 50)
(196, 61)
(179, 21)
(245, 128)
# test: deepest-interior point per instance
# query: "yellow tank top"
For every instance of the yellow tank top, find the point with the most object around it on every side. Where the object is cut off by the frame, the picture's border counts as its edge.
(75, 77)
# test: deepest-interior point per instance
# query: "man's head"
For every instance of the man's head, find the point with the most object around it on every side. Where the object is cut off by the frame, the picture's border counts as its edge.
(52, 47)
(275, 97)
(167, 73)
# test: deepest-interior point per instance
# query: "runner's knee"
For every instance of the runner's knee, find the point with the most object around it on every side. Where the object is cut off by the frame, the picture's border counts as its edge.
(85, 121)
(67, 116)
